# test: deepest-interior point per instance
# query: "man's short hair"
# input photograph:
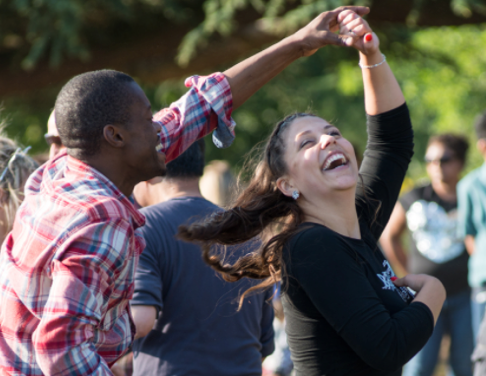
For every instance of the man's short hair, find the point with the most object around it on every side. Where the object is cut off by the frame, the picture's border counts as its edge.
(87, 103)
(480, 125)
(189, 164)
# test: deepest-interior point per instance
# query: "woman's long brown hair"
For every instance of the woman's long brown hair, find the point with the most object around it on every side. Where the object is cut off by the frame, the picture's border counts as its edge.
(259, 208)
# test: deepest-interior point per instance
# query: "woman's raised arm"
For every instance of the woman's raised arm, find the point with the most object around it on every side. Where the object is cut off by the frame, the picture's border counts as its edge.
(381, 89)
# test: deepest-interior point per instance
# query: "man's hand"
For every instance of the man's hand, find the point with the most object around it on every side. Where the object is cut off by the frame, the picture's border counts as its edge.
(321, 31)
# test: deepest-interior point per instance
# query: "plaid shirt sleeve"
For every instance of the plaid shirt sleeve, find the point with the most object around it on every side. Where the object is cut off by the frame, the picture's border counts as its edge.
(83, 307)
(207, 106)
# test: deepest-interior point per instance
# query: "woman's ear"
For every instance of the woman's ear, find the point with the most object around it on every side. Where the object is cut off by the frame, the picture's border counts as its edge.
(284, 186)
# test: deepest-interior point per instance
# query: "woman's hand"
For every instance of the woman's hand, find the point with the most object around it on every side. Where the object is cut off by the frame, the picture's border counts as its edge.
(321, 30)
(430, 291)
(359, 32)
(415, 281)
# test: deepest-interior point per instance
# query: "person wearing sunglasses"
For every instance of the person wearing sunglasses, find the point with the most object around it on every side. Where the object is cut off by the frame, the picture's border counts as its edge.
(429, 213)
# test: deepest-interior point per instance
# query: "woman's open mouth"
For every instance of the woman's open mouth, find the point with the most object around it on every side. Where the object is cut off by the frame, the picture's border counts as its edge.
(334, 160)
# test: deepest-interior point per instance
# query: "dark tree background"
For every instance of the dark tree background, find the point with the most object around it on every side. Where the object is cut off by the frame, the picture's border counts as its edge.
(435, 47)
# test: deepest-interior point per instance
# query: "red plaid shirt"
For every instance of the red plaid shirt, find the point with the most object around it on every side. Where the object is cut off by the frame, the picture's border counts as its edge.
(67, 267)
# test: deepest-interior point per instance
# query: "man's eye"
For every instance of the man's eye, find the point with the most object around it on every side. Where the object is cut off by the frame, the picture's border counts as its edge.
(335, 133)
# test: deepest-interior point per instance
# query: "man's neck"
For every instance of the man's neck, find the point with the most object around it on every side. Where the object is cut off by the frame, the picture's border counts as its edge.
(169, 189)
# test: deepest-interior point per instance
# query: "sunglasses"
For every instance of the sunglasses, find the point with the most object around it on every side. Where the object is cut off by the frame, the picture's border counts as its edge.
(52, 139)
(442, 160)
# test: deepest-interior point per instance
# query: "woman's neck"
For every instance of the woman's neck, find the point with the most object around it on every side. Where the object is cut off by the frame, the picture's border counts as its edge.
(338, 214)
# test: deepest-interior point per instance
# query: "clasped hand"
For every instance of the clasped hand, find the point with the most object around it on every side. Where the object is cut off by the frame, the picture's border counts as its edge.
(352, 31)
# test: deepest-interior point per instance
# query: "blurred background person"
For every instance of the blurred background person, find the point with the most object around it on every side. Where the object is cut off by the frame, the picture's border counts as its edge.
(280, 362)
(479, 355)
(15, 167)
(429, 213)
(52, 137)
(472, 225)
(186, 313)
(218, 183)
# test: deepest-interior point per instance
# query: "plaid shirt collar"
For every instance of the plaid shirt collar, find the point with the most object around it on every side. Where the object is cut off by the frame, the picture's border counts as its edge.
(79, 170)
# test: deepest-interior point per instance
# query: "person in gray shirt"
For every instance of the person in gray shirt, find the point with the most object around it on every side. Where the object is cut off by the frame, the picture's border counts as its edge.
(185, 313)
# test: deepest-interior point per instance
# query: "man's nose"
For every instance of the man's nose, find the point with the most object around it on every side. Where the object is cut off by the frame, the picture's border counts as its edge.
(158, 126)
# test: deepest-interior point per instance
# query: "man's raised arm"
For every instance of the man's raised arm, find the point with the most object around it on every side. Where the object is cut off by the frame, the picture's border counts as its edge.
(251, 74)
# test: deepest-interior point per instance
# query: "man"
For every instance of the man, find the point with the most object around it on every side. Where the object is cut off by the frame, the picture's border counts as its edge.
(52, 137)
(471, 194)
(68, 264)
(197, 330)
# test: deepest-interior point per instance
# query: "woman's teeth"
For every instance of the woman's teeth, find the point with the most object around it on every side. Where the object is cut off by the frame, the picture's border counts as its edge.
(336, 157)
(158, 148)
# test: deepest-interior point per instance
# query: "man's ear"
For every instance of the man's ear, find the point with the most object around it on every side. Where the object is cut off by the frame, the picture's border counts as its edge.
(285, 186)
(114, 135)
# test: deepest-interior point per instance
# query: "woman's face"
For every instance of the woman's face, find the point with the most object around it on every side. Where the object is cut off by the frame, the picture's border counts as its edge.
(320, 161)
(442, 164)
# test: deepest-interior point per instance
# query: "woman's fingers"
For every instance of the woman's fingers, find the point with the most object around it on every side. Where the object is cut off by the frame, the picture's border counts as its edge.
(361, 36)
(357, 27)
(346, 15)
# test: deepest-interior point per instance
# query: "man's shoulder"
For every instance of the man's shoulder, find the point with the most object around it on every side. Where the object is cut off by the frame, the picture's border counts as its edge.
(82, 202)
(179, 208)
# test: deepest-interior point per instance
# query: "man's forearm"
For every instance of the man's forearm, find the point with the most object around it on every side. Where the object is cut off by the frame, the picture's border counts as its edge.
(251, 74)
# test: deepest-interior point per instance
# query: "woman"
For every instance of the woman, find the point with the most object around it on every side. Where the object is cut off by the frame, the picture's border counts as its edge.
(346, 313)
(430, 214)
(15, 168)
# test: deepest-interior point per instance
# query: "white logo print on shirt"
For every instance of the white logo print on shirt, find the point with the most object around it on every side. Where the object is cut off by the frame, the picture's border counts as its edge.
(385, 277)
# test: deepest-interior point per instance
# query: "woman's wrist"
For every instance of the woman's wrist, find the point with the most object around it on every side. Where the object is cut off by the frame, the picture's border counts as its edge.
(372, 58)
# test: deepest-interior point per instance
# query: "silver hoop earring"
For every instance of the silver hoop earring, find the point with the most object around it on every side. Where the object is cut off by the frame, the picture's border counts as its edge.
(295, 194)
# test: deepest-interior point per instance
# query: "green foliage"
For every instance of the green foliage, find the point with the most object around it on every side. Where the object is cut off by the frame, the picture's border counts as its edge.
(56, 29)
(69, 28)
(441, 70)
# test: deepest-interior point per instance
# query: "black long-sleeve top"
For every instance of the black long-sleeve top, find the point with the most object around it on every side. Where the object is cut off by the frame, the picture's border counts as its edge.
(344, 315)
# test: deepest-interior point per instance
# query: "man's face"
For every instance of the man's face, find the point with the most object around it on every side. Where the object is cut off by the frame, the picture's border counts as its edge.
(52, 137)
(143, 139)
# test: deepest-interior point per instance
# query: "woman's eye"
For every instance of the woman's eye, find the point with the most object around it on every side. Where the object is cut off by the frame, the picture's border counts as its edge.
(335, 133)
(304, 143)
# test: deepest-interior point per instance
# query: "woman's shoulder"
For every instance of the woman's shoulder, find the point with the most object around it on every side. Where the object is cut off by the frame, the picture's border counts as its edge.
(311, 232)
(312, 238)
